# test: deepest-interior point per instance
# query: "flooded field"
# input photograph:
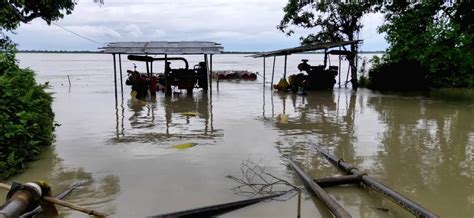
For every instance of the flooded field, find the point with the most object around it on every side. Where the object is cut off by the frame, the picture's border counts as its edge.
(422, 147)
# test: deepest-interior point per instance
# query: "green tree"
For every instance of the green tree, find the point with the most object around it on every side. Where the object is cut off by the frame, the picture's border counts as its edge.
(333, 21)
(440, 37)
(26, 117)
(15, 12)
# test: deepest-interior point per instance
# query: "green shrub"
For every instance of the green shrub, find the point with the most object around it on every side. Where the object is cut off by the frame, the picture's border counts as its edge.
(26, 117)
(403, 75)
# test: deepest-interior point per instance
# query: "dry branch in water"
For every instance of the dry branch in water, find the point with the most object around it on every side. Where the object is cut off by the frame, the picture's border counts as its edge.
(255, 181)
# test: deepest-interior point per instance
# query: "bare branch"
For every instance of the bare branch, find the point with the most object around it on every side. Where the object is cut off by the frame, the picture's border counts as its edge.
(255, 181)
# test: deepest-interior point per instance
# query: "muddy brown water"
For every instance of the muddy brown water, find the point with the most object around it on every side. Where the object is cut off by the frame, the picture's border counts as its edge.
(422, 147)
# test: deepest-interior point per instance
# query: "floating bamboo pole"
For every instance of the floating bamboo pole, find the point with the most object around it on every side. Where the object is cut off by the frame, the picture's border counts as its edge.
(64, 204)
(335, 208)
(377, 186)
(340, 180)
(214, 210)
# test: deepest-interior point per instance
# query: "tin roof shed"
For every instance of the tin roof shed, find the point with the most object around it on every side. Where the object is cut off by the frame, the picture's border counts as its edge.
(163, 47)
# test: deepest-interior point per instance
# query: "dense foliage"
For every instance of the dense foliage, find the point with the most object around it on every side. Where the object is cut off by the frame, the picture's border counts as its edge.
(333, 22)
(434, 36)
(403, 75)
(26, 118)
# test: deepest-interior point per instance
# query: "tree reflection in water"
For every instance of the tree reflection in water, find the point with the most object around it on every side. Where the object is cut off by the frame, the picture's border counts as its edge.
(421, 147)
(430, 144)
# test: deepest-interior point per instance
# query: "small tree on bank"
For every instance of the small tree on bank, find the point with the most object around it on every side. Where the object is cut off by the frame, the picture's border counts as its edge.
(26, 117)
(332, 21)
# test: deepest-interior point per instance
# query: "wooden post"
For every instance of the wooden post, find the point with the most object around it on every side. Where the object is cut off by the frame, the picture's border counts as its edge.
(273, 71)
(284, 72)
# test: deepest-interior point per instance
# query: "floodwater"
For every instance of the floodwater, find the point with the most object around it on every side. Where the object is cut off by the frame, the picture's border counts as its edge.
(420, 146)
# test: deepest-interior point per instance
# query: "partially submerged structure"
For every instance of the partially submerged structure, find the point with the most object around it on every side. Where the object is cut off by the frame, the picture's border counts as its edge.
(184, 78)
(317, 77)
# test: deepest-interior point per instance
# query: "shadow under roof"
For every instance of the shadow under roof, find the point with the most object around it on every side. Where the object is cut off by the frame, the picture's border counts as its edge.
(163, 47)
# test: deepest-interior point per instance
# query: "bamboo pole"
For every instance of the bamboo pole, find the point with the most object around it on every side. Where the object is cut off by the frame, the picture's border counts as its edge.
(298, 213)
(335, 208)
(214, 210)
(340, 180)
(377, 186)
(64, 204)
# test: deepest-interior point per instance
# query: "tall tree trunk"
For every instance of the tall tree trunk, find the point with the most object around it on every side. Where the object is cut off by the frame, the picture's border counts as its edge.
(352, 63)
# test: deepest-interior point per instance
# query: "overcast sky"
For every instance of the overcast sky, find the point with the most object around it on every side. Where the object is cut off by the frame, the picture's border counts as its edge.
(240, 25)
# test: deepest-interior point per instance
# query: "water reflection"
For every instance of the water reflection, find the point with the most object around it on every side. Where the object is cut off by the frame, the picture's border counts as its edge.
(431, 141)
(165, 118)
(324, 118)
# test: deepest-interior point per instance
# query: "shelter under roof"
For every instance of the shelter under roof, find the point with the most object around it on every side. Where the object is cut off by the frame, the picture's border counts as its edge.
(305, 48)
(163, 47)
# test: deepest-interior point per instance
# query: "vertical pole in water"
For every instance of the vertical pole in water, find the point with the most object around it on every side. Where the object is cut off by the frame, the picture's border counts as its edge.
(264, 58)
(120, 68)
(273, 71)
(167, 82)
(284, 72)
(207, 72)
(210, 72)
(325, 57)
(115, 77)
(339, 68)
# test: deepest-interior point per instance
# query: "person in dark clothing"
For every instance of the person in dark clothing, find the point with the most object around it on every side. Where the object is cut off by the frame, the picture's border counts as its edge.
(138, 83)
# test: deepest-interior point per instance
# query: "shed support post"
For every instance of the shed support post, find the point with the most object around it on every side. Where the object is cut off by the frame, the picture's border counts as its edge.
(121, 77)
(210, 72)
(284, 72)
(115, 77)
(167, 82)
(273, 71)
(207, 72)
(264, 71)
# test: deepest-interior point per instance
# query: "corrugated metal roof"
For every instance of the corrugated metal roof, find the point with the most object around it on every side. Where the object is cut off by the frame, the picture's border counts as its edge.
(162, 47)
(305, 48)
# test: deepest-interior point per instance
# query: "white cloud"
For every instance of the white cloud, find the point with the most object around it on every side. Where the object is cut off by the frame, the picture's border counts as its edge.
(231, 23)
